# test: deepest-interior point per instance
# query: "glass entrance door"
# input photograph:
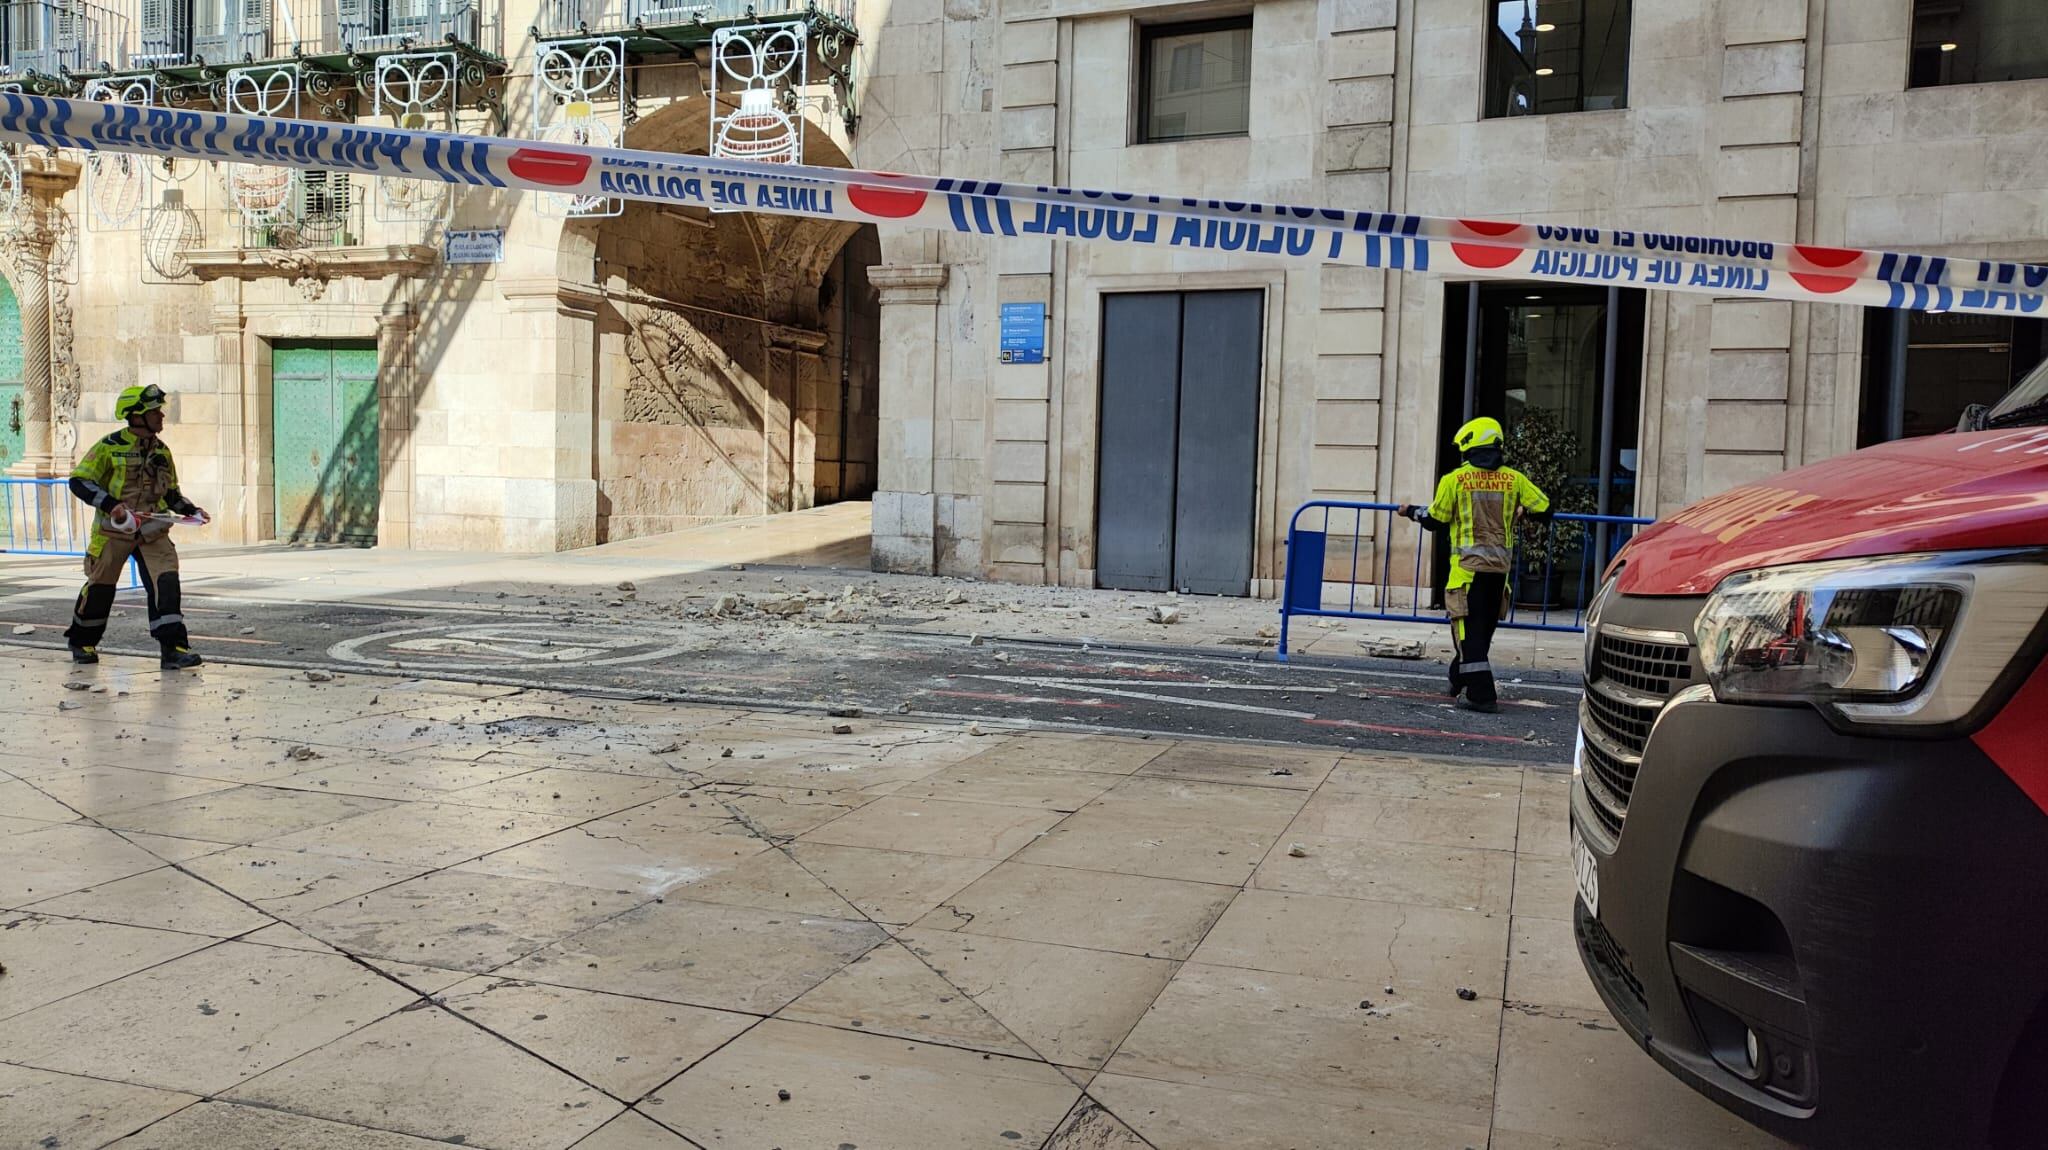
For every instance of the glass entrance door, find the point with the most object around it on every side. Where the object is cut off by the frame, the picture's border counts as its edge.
(1567, 386)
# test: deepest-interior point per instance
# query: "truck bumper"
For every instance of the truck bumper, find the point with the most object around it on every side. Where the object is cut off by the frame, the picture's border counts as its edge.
(1838, 938)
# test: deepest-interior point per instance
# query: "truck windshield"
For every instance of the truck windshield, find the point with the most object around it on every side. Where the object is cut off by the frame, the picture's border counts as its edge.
(2026, 405)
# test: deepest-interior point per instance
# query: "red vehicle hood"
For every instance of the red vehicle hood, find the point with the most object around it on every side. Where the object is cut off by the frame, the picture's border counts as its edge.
(1939, 493)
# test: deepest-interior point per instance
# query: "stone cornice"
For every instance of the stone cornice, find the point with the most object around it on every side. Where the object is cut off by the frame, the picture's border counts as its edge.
(908, 283)
(297, 264)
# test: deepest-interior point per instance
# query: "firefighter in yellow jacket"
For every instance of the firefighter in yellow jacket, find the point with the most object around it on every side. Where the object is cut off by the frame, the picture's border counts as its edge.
(1479, 504)
(132, 484)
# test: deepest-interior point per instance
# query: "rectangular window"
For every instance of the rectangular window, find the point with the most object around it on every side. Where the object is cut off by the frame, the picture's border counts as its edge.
(1545, 56)
(1921, 370)
(1978, 41)
(1195, 80)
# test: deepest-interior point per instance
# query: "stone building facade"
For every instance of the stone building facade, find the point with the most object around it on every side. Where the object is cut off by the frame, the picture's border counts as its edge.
(643, 369)
(1822, 121)
(603, 371)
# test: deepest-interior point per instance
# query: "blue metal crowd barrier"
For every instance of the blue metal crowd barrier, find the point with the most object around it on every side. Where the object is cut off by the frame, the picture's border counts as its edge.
(1309, 575)
(41, 517)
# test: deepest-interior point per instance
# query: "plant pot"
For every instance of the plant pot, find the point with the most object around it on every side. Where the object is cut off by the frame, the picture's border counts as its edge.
(1535, 587)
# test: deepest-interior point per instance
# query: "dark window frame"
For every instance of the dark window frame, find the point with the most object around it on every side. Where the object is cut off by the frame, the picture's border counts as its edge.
(1882, 392)
(1148, 34)
(1493, 33)
(1928, 65)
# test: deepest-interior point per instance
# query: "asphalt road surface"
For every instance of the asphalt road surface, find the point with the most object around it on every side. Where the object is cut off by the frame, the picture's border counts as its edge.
(879, 670)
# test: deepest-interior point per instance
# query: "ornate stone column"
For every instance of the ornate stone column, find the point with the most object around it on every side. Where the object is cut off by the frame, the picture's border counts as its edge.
(904, 507)
(45, 365)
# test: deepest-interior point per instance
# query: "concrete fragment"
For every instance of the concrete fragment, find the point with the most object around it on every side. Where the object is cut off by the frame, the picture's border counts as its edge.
(1395, 648)
(24, 629)
(1164, 613)
(1297, 851)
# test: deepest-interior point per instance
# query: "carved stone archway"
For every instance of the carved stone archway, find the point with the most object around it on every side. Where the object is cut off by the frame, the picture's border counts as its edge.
(722, 378)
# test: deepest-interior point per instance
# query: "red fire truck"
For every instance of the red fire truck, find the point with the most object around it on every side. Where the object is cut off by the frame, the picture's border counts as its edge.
(1810, 798)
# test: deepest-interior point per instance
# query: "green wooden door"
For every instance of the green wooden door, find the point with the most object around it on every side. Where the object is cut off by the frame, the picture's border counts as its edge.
(12, 417)
(324, 442)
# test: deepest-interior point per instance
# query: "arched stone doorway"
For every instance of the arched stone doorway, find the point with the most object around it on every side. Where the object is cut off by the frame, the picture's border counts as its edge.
(735, 366)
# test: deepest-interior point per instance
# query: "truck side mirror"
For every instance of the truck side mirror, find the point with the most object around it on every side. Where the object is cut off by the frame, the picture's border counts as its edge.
(1973, 418)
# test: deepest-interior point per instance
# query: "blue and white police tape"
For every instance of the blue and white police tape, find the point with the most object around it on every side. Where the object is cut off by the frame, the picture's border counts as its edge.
(1708, 265)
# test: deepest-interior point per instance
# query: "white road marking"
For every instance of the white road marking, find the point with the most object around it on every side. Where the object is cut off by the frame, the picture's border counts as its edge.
(1093, 687)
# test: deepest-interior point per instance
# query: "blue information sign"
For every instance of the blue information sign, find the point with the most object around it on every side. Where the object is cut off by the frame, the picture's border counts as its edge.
(1023, 333)
(486, 246)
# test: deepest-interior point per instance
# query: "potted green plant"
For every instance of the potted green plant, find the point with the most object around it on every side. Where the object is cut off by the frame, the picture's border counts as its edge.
(1541, 447)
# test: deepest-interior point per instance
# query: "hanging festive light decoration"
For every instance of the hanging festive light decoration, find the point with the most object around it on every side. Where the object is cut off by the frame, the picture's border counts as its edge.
(758, 131)
(760, 64)
(263, 195)
(572, 78)
(117, 186)
(416, 90)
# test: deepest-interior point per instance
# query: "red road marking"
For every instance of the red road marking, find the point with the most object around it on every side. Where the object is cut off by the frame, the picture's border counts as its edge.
(1392, 730)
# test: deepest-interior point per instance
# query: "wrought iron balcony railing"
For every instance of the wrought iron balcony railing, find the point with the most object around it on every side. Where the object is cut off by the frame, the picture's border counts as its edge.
(169, 34)
(53, 37)
(558, 19)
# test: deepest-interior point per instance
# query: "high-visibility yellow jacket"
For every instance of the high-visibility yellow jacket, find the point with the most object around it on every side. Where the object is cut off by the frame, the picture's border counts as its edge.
(119, 468)
(1480, 508)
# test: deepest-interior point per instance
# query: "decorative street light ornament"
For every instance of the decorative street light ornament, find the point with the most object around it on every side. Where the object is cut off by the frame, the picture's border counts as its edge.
(263, 195)
(574, 76)
(170, 230)
(417, 90)
(117, 186)
(758, 131)
(761, 64)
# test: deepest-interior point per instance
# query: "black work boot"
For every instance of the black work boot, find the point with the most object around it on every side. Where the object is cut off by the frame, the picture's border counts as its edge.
(1489, 707)
(180, 659)
(85, 654)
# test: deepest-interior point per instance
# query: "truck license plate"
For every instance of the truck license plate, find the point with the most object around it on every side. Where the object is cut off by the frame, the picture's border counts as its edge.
(1586, 872)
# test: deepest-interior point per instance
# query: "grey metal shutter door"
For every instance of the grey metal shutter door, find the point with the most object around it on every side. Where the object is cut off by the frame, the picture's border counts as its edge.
(1141, 345)
(1219, 441)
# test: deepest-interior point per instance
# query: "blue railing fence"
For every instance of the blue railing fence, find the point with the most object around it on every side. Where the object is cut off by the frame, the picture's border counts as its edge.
(42, 517)
(1362, 561)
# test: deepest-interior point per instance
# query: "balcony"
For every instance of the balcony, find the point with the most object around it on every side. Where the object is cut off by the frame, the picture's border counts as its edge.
(652, 27)
(42, 41)
(189, 46)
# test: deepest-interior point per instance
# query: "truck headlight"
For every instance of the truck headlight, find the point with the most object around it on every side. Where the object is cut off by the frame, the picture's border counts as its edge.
(1900, 639)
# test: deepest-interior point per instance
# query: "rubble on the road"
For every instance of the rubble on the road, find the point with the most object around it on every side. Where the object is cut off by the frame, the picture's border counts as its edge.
(1383, 648)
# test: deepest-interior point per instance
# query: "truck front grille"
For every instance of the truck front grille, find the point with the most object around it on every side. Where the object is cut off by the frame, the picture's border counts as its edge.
(1653, 668)
(1631, 677)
